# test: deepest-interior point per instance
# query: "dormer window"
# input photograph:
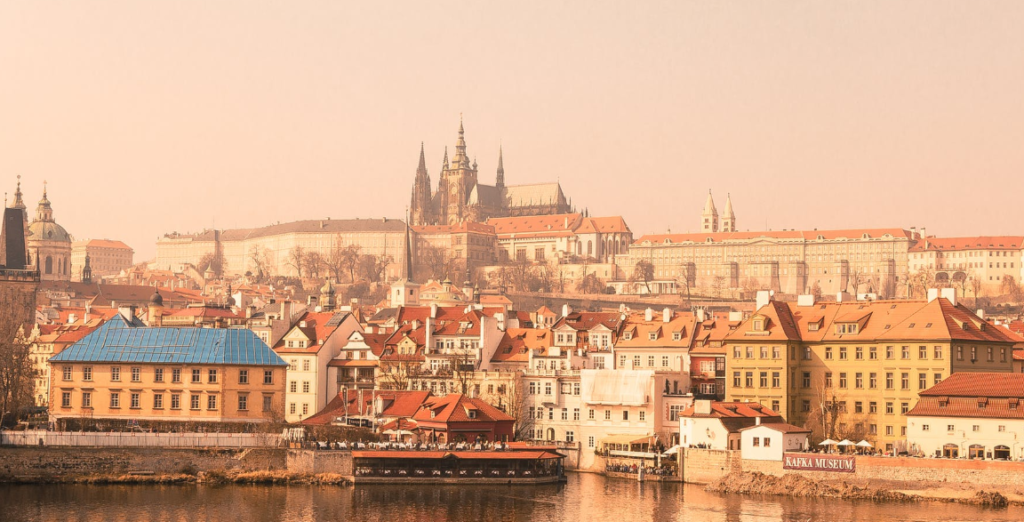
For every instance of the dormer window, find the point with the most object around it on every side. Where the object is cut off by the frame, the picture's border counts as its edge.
(676, 336)
(813, 327)
(627, 336)
(471, 414)
(433, 414)
(758, 325)
(846, 328)
(652, 336)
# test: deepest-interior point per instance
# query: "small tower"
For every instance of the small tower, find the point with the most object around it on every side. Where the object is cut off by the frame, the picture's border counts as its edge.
(729, 217)
(709, 221)
(327, 300)
(87, 271)
(156, 310)
(500, 181)
(420, 205)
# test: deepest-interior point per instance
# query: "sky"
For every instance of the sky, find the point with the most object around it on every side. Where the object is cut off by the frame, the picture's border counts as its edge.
(146, 118)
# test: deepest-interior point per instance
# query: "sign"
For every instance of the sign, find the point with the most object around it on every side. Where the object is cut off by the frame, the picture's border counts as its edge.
(813, 462)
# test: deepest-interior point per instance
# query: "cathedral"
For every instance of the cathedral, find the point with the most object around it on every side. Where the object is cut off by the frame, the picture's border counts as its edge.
(709, 218)
(460, 197)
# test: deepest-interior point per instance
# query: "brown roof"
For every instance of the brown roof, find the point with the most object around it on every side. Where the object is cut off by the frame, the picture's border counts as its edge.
(968, 243)
(731, 410)
(454, 407)
(396, 404)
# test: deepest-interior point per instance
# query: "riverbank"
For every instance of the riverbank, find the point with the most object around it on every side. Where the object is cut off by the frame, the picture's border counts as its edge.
(202, 477)
(756, 483)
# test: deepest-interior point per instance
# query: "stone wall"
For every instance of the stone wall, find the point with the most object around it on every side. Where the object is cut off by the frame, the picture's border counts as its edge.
(313, 462)
(905, 469)
(44, 462)
(703, 466)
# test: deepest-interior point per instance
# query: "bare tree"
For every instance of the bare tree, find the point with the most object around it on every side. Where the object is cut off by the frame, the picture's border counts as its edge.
(513, 400)
(372, 268)
(440, 262)
(15, 362)
(396, 372)
(643, 272)
(591, 284)
(297, 259)
(1012, 289)
(718, 284)
(340, 259)
(261, 264)
(686, 279)
(825, 415)
(975, 283)
(314, 264)
(214, 261)
(922, 281)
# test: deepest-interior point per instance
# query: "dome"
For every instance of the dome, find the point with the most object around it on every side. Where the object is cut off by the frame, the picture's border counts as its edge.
(328, 288)
(47, 231)
(156, 299)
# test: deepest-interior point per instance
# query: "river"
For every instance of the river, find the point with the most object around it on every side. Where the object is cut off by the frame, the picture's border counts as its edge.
(587, 497)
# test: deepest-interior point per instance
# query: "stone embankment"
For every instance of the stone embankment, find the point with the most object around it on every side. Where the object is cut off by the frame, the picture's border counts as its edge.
(798, 486)
(201, 477)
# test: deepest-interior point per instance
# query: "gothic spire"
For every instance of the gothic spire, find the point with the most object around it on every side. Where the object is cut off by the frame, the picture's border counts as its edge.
(501, 170)
(422, 168)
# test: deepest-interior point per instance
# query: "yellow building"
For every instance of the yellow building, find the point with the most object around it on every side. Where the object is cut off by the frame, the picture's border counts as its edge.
(854, 369)
(125, 370)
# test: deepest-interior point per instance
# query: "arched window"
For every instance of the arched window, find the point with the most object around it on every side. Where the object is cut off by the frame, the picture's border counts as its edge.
(590, 248)
(49, 265)
(551, 434)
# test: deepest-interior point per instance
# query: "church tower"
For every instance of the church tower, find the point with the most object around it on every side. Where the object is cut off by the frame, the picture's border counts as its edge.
(420, 208)
(500, 181)
(729, 217)
(459, 179)
(709, 221)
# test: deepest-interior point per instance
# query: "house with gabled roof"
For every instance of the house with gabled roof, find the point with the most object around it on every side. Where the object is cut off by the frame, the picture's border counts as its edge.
(459, 418)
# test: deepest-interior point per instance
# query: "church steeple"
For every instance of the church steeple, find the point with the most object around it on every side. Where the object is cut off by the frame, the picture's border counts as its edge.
(44, 212)
(500, 182)
(19, 203)
(729, 217)
(420, 204)
(709, 218)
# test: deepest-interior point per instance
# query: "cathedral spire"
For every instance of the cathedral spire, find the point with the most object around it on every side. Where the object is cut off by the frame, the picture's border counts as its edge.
(729, 217)
(709, 218)
(408, 249)
(501, 170)
(422, 168)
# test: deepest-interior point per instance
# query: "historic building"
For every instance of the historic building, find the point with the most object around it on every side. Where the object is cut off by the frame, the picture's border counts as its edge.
(18, 280)
(460, 197)
(49, 245)
(973, 265)
(103, 256)
(709, 218)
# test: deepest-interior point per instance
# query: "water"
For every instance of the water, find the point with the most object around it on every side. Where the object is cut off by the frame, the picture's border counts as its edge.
(590, 498)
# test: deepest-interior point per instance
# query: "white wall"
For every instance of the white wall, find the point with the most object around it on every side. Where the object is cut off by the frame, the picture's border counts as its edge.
(988, 434)
(707, 431)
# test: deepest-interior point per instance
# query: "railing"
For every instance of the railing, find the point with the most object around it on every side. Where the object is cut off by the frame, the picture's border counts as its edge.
(543, 372)
(139, 439)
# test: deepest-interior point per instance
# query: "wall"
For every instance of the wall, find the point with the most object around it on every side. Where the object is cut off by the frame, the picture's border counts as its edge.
(312, 462)
(44, 462)
(132, 439)
(703, 466)
(983, 472)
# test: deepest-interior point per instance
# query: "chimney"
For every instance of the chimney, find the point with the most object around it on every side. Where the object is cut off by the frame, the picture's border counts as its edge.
(702, 407)
(415, 324)
(913, 233)
(666, 315)
(757, 421)
(700, 314)
(933, 294)
(949, 294)
(427, 330)
(980, 313)
(566, 310)
(648, 314)
(763, 298)
(805, 300)
(433, 310)
(72, 318)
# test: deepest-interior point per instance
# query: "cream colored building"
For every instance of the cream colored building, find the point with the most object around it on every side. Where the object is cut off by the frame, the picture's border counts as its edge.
(49, 245)
(969, 264)
(106, 257)
(275, 244)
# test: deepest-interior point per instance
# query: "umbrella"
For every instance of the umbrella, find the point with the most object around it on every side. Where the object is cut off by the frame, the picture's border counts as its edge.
(828, 442)
(863, 444)
(845, 443)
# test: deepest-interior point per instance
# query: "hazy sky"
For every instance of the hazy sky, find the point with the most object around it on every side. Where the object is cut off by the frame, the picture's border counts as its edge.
(151, 117)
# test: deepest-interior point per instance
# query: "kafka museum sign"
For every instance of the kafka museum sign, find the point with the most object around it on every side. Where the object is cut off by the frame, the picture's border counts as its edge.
(811, 462)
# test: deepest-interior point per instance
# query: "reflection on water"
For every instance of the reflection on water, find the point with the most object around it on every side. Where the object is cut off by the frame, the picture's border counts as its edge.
(586, 497)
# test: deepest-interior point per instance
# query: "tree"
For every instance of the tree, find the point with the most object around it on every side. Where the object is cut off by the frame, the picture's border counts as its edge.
(922, 281)
(314, 264)
(261, 264)
(396, 372)
(591, 284)
(750, 285)
(513, 400)
(214, 261)
(372, 268)
(297, 259)
(687, 278)
(823, 419)
(440, 262)
(350, 260)
(643, 272)
(1012, 289)
(975, 283)
(718, 284)
(341, 258)
(815, 290)
(15, 363)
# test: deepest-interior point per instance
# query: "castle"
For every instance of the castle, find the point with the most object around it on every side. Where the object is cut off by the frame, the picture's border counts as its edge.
(460, 197)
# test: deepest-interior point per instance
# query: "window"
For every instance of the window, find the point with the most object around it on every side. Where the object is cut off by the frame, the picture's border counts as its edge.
(904, 381)
(197, 376)
(775, 406)
(976, 428)
(305, 386)
(904, 408)
(268, 376)
(750, 352)
(636, 361)
(650, 361)
(828, 379)
(889, 380)
(625, 415)
(607, 414)
(575, 414)
(806, 406)
(858, 380)
(243, 402)
(305, 365)
(115, 373)
(764, 352)
(859, 353)
(1001, 429)
(842, 354)
(950, 428)
(293, 387)
(134, 401)
(922, 381)
(268, 402)
(65, 399)
(858, 407)
(889, 352)
(888, 408)
(87, 399)
(750, 379)
(565, 413)
(922, 352)
(175, 401)
(905, 352)
(937, 379)
(959, 353)
(736, 379)
(305, 409)
(158, 401)
(873, 429)
(243, 376)
(763, 381)
(807, 353)
(622, 361)
(66, 373)
(643, 416)
(115, 400)
(757, 441)
(925, 427)
(990, 358)
(547, 388)
(767, 442)
(828, 352)
(937, 352)
(590, 414)
(775, 352)
(212, 376)
(664, 361)
(590, 441)
(873, 353)
(158, 375)
(737, 352)
(211, 402)
(873, 408)
(807, 380)
(194, 402)
(888, 431)
(176, 375)
(291, 408)
(776, 380)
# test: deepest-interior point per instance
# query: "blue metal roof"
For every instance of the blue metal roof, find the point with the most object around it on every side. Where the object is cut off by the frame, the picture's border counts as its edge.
(120, 341)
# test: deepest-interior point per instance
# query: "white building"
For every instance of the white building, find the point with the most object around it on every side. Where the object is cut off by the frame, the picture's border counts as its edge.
(970, 415)
(717, 425)
(308, 347)
(768, 441)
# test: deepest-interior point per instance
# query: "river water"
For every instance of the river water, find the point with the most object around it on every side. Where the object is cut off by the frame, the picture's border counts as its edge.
(586, 497)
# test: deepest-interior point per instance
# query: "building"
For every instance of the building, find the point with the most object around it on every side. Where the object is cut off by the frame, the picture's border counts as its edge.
(105, 257)
(717, 425)
(854, 369)
(709, 218)
(126, 370)
(47, 341)
(448, 251)
(273, 248)
(975, 266)
(18, 279)
(458, 418)
(722, 264)
(561, 238)
(460, 197)
(768, 441)
(370, 408)
(308, 347)
(707, 354)
(49, 245)
(970, 415)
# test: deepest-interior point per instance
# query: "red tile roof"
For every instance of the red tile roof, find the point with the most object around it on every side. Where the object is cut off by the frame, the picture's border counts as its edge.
(968, 243)
(731, 410)
(806, 235)
(396, 404)
(454, 407)
(316, 329)
(979, 384)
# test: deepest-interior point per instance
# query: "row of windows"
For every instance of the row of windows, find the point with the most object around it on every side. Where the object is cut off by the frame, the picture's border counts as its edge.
(858, 380)
(135, 401)
(293, 387)
(537, 413)
(951, 428)
(651, 360)
(135, 375)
